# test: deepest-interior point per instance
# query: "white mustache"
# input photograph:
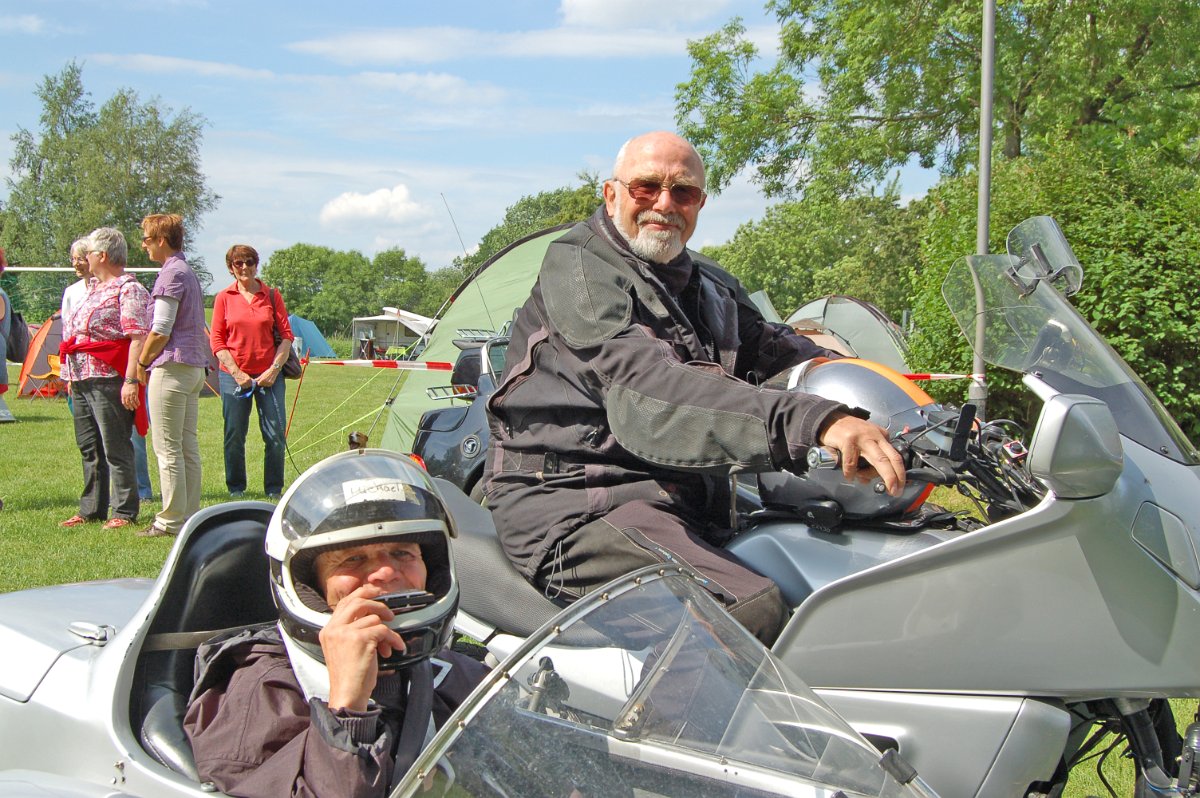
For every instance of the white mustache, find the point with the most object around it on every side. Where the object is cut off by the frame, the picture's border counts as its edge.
(649, 216)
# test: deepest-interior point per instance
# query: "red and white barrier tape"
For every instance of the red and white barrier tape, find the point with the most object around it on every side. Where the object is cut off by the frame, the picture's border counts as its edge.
(933, 376)
(414, 365)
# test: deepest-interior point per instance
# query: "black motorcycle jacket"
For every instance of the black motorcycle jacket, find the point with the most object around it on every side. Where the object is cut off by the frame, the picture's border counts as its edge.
(617, 388)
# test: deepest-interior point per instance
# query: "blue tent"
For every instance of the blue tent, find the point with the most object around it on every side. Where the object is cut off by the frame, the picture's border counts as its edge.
(312, 342)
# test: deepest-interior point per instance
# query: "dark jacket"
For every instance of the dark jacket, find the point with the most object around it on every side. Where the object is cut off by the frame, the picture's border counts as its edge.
(253, 733)
(626, 381)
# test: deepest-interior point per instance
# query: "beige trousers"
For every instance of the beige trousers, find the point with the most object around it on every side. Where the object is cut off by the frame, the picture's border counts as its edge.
(173, 396)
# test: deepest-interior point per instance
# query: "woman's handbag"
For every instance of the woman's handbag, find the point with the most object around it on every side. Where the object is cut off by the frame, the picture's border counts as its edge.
(291, 368)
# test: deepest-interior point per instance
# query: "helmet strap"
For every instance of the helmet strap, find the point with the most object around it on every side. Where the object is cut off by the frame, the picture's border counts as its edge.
(311, 673)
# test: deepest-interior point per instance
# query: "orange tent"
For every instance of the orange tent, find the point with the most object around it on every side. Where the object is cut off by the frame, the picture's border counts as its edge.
(38, 376)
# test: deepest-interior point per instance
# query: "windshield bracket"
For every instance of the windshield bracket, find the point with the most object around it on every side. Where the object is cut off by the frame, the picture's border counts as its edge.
(1030, 271)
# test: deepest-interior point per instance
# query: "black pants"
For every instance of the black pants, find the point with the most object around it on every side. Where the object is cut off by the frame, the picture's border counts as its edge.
(638, 534)
(103, 427)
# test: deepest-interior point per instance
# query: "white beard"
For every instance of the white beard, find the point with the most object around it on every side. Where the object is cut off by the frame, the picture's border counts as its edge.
(654, 246)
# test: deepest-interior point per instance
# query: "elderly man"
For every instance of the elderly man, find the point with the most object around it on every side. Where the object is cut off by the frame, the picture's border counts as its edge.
(630, 393)
(322, 704)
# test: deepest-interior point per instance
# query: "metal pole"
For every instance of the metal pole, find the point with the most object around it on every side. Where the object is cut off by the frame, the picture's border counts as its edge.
(978, 389)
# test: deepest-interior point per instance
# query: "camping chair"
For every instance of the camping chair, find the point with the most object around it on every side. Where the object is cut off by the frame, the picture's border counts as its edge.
(52, 384)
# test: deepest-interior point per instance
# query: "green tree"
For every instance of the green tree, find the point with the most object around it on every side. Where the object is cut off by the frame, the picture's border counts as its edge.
(866, 246)
(84, 169)
(1133, 222)
(331, 287)
(862, 86)
(405, 282)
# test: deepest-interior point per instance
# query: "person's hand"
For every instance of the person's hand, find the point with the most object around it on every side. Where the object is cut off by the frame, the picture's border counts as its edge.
(268, 377)
(143, 376)
(243, 380)
(129, 395)
(853, 438)
(352, 642)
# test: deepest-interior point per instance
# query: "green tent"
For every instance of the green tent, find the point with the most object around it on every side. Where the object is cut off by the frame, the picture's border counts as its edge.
(866, 329)
(484, 302)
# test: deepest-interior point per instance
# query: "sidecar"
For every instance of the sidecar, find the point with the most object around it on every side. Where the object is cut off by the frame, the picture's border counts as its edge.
(95, 680)
(95, 676)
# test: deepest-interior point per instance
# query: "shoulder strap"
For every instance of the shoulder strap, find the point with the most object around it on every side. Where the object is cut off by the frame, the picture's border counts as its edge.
(274, 312)
(176, 641)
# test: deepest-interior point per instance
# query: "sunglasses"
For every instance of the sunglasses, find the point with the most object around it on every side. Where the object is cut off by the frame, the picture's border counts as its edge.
(650, 190)
(240, 263)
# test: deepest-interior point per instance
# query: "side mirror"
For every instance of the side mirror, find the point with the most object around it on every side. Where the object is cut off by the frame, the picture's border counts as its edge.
(1076, 448)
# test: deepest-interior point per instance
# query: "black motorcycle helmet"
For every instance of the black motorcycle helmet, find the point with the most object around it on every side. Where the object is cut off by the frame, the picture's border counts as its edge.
(352, 498)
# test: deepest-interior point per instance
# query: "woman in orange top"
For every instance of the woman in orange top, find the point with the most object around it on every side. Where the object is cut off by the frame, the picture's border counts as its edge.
(246, 317)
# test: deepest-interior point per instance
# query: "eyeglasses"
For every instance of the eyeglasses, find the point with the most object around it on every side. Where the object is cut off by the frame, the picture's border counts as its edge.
(650, 190)
(240, 263)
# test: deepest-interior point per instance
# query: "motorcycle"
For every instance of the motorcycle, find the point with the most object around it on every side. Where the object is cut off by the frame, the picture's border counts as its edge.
(994, 656)
(96, 679)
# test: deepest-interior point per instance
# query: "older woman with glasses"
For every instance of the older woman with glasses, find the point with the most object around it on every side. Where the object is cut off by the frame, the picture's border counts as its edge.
(102, 340)
(172, 367)
(252, 339)
(77, 291)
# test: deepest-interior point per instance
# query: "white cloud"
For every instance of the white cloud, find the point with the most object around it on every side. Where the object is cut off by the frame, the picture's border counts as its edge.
(412, 45)
(386, 204)
(624, 14)
(29, 24)
(160, 64)
(428, 45)
(439, 88)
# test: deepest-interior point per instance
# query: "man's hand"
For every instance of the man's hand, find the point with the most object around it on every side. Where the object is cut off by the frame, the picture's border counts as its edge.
(352, 642)
(854, 438)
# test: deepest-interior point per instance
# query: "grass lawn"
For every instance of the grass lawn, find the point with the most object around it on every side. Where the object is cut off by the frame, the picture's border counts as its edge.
(41, 475)
(41, 478)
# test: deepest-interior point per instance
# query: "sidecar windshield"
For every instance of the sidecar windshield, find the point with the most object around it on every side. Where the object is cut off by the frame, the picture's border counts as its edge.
(1012, 312)
(647, 687)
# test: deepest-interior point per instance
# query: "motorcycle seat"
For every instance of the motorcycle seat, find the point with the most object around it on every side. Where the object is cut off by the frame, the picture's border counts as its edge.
(491, 588)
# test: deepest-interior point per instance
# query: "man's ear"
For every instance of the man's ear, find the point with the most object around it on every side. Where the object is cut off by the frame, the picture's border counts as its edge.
(610, 197)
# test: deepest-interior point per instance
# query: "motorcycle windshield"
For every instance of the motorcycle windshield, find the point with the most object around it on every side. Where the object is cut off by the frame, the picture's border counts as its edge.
(647, 687)
(1010, 311)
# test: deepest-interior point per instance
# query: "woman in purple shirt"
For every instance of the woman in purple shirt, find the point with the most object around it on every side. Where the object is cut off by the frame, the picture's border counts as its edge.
(172, 365)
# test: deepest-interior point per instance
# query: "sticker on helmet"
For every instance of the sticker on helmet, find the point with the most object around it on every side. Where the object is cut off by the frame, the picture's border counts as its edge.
(378, 489)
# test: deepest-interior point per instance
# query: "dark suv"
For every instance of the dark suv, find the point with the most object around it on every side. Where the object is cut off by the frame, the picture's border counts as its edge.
(453, 440)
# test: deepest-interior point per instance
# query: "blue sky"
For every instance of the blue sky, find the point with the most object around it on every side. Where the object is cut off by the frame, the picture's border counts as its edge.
(354, 125)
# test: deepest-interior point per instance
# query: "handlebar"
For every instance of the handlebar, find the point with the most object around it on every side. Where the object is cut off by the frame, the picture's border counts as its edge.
(820, 457)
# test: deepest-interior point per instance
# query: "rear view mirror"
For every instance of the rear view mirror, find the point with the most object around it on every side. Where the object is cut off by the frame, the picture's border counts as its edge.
(1076, 449)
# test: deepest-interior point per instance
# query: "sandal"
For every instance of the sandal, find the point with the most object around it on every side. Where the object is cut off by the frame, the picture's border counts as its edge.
(77, 520)
(117, 523)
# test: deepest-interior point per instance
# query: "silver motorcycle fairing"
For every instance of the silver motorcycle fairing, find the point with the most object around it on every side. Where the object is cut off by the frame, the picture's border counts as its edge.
(1093, 592)
(691, 705)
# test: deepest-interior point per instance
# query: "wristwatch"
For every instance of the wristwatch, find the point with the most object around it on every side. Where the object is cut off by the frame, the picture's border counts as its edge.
(131, 381)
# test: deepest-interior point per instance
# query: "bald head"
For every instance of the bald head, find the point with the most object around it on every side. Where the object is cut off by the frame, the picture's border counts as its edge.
(658, 143)
(656, 227)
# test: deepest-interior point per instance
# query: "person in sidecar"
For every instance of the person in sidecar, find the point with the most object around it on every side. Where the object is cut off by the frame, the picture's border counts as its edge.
(630, 393)
(336, 699)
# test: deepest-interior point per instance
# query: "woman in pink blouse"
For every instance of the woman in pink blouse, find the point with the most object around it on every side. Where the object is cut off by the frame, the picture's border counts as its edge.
(102, 338)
